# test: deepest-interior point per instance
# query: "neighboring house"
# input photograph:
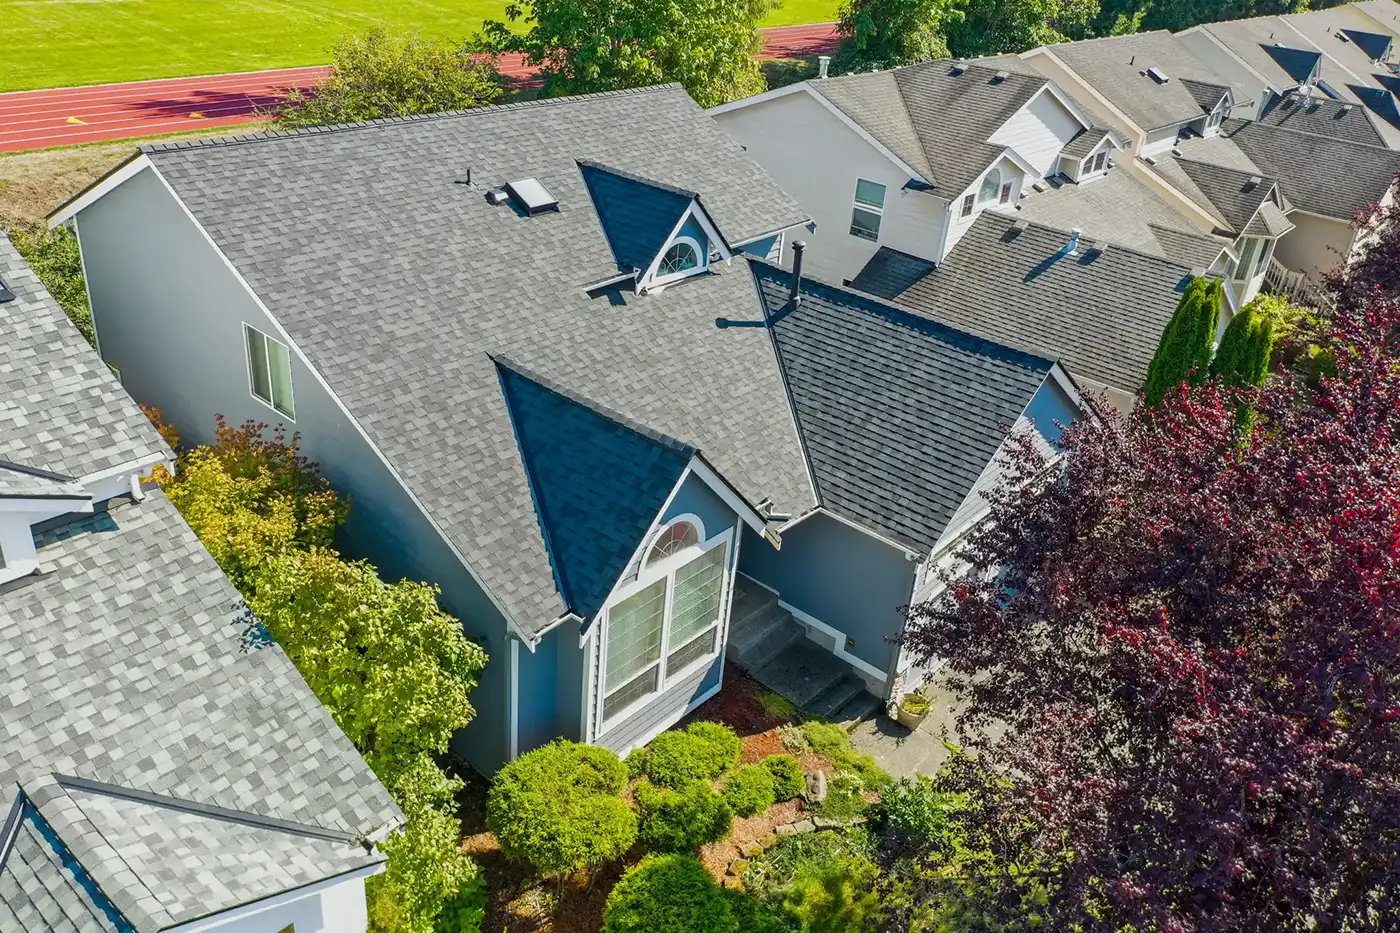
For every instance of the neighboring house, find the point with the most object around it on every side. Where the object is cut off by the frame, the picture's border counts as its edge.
(905, 423)
(1098, 307)
(908, 159)
(163, 765)
(1340, 54)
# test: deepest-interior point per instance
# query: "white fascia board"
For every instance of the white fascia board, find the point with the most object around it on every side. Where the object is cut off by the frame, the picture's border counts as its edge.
(349, 416)
(779, 232)
(1089, 85)
(702, 217)
(99, 189)
(1054, 91)
(1015, 159)
(861, 132)
(1335, 220)
(766, 96)
(214, 921)
(1065, 380)
(707, 475)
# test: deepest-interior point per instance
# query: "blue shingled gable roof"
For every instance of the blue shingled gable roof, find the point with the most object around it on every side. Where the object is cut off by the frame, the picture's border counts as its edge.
(598, 482)
(1299, 63)
(637, 215)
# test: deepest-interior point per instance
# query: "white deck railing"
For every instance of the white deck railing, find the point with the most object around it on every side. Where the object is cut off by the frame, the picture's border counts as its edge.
(1295, 286)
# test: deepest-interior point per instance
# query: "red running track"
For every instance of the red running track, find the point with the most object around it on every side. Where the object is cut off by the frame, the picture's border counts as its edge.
(106, 112)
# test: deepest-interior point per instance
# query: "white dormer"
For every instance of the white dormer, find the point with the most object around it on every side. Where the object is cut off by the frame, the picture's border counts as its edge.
(694, 243)
(28, 497)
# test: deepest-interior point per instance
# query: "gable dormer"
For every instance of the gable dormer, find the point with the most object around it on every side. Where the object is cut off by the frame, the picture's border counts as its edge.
(29, 496)
(659, 234)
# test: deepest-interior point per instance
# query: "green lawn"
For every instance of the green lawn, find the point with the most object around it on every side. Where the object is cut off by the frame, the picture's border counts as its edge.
(56, 43)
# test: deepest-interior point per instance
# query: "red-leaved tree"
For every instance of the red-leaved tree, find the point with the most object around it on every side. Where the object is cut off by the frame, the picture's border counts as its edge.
(1182, 654)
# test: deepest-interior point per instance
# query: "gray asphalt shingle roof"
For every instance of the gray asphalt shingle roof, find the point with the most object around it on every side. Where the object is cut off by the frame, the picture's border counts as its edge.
(937, 121)
(900, 415)
(457, 280)
(1271, 48)
(1117, 66)
(1232, 192)
(1321, 175)
(130, 660)
(61, 409)
(1100, 314)
(1323, 117)
(1207, 93)
(636, 215)
(598, 483)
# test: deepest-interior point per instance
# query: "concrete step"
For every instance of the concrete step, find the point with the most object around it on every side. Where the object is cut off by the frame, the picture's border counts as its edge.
(836, 696)
(802, 671)
(864, 705)
(749, 600)
(748, 633)
(775, 644)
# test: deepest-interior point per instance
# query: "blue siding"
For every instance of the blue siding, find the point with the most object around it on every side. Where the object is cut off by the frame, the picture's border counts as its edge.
(1051, 404)
(698, 499)
(842, 577)
(760, 248)
(692, 229)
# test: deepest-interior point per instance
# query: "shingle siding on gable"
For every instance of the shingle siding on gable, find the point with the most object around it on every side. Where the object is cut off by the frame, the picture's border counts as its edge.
(1039, 132)
(149, 266)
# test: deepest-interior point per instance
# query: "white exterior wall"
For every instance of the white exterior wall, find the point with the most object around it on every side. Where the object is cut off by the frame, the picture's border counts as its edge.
(959, 226)
(337, 908)
(1039, 131)
(1315, 245)
(817, 158)
(1070, 82)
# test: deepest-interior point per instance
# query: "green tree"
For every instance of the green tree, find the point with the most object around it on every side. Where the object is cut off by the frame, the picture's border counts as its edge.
(1185, 348)
(1243, 356)
(53, 255)
(560, 808)
(377, 74)
(890, 33)
(991, 27)
(673, 893)
(582, 46)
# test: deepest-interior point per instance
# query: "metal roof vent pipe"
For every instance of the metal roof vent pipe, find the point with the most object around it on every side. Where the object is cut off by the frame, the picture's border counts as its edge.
(1073, 241)
(823, 66)
(795, 295)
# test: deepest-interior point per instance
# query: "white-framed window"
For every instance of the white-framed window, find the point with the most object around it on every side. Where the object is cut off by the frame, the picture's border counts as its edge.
(1215, 118)
(868, 210)
(269, 371)
(665, 623)
(1005, 197)
(991, 185)
(685, 256)
(1096, 164)
(1249, 250)
(968, 203)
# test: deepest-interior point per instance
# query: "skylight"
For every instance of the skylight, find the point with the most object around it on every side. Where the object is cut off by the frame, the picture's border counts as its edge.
(532, 196)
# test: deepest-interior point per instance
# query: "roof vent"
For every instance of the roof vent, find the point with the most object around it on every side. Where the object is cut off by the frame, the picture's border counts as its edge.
(496, 196)
(1341, 35)
(532, 196)
(959, 67)
(1021, 226)
(1098, 247)
(1158, 75)
(1346, 108)
(1074, 236)
(823, 66)
(1000, 76)
(1254, 182)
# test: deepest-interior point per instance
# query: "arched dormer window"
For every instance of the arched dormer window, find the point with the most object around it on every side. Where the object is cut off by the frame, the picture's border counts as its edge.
(991, 186)
(684, 257)
(673, 539)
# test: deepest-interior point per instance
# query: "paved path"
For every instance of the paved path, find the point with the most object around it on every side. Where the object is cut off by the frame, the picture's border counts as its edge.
(104, 112)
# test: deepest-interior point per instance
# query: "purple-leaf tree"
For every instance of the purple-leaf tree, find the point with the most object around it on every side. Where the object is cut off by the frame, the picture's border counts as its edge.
(1182, 654)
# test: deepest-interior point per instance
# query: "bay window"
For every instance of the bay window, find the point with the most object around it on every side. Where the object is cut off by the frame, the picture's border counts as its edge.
(664, 623)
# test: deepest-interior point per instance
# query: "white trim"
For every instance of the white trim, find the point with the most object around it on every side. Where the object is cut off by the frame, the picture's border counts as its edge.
(92, 315)
(838, 642)
(513, 707)
(353, 421)
(648, 280)
(763, 236)
(836, 111)
(270, 401)
(586, 701)
(213, 921)
(1065, 101)
(702, 261)
(719, 487)
(118, 176)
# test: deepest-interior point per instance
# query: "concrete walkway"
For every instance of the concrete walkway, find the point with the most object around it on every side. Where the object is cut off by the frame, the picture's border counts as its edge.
(905, 753)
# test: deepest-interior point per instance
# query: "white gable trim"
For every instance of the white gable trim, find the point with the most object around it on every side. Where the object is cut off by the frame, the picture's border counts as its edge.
(1088, 85)
(647, 280)
(354, 422)
(853, 125)
(214, 921)
(1049, 87)
(99, 189)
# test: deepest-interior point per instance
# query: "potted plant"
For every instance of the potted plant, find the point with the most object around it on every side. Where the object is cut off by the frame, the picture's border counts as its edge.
(912, 709)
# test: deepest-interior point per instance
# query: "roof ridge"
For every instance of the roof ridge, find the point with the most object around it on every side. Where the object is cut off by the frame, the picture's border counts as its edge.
(1117, 247)
(37, 472)
(905, 310)
(273, 134)
(209, 811)
(1226, 168)
(636, 427)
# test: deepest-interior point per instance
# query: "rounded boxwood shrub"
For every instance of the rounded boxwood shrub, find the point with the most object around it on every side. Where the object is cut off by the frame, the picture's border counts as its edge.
(701, 753)
(560, 808)
(789, 778)
(670, 893)
(680, 820)
(750, 790)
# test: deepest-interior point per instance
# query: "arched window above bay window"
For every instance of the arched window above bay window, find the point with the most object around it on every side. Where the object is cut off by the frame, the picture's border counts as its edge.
(991, 186)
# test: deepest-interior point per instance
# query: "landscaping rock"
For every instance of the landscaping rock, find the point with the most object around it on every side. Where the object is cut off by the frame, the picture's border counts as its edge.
(787, 829)
(731, 881)
(828, 822)
(754, 849)
(803, 826)
(816, 786)
(738, 867)
(768, 841)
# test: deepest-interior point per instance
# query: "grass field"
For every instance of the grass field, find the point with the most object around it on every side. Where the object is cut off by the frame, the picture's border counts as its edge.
(59, 43)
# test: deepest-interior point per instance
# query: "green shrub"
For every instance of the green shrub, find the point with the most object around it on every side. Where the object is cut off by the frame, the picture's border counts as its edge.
(789, 778)
(825, 738)
(834, 743)
(773, 871)
(776, 705)
(428, 885)
(53, 255)
(843, 799)
(794, 737)
(750, 790)
(670, 893)
(560, 808)
(680, 820)
(701, 753)
(375, 74)
(832, 899)
(916, 809)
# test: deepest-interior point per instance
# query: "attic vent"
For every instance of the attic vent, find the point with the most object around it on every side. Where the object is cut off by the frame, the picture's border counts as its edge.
(1000, 76)
(532, 196)
(1158, 75)
(1341, 35)
(1346, 108)
(1254, 182)
(959, 67)
(1021, 226)
(1098, 247)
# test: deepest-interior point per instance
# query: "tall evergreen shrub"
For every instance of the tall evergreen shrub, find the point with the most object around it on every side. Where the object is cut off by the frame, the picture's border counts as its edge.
(1186, 344)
